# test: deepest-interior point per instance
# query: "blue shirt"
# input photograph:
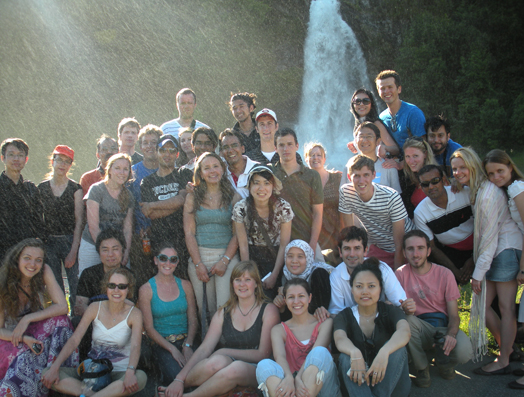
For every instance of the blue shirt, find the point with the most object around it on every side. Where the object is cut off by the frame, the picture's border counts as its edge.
(408, 117)
(443, 158)
(140, 172)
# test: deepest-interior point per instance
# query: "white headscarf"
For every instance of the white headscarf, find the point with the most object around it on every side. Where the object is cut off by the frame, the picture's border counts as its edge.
(311, 265)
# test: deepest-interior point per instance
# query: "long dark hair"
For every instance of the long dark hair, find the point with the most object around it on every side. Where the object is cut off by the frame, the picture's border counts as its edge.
(372, 116)
(226, 188)
(10, 277)
(251, 211)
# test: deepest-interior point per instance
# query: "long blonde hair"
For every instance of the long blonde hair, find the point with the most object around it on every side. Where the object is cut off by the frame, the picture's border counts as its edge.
(423, 146)
(124, 197)
(477, 175)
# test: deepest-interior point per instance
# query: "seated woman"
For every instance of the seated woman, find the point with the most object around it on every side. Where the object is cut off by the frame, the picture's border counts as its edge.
(117, 332)
(372, 335)
(169, 310)
(244, 324)
(300, 262)
(29, 334)
(303, 364)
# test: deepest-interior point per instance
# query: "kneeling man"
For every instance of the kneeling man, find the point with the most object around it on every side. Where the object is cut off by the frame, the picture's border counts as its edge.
(435, 292)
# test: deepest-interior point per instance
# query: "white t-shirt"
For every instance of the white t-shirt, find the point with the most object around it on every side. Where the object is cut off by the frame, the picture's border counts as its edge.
(514, 190)
(173, 127)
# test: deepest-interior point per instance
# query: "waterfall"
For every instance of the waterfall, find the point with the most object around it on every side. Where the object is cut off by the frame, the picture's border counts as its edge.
(334, 67)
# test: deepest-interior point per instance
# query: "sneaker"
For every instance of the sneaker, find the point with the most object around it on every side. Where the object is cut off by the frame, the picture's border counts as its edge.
(447, 373)
(423, 379)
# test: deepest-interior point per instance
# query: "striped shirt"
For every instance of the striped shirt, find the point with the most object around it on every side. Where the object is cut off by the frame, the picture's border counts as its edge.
(378, 214)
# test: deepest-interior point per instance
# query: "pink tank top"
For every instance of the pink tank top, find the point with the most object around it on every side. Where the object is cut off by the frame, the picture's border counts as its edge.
(296, 351)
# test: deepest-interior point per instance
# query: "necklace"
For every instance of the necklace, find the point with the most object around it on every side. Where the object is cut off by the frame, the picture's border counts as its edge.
(241, 312)
(368, 318)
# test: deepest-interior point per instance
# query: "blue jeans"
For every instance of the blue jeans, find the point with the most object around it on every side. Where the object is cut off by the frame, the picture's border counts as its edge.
(319, 357)
(167, 364)
(57, 249)
(396, 382)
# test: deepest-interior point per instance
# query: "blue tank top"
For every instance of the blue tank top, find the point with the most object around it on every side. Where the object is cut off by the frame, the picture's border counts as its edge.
(213, 227)
(169, 317)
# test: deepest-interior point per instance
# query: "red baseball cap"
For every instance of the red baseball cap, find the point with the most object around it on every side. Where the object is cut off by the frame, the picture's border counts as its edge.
(65, 150)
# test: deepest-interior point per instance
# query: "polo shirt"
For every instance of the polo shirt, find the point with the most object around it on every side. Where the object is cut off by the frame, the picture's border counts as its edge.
(302, 190)
(341, 296)
(378, 214)
(453, 225)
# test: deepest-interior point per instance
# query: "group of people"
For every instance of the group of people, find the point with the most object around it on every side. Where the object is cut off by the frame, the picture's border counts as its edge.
(248, 266)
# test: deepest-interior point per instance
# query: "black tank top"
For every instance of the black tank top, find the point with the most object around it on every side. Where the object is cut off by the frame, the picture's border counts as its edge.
(249, 339)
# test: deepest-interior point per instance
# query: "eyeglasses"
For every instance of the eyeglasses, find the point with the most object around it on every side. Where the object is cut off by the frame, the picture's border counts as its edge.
(164, 258)
(170, 150)
(15, 156)
(119, 286)
(360, 101)
(66, 162)
(433, 182)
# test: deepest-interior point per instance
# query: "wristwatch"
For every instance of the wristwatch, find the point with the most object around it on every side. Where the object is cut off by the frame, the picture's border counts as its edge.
(131, 367)
(188, 345)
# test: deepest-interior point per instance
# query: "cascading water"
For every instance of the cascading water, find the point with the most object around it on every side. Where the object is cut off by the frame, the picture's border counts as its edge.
(334, 68)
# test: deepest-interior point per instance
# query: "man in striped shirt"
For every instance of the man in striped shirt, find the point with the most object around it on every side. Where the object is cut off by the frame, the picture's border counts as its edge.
(379, 209)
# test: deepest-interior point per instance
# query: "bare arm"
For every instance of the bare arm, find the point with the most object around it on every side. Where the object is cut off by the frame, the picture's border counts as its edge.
(81, 304)
(347, 220)
(93, 218)
(240, 230)
(316, 225)
(77, 234)
(128, 234)
(398, 235)
(191, 242)
(386, 139)
(192, 318)
(519, 202)
(135, 322)
(453, 326)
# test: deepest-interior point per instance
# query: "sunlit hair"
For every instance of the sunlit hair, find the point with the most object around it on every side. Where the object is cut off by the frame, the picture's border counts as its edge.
(149, 129)
(10, 277)
(16, 142)
(477, 175)
(423, 146)
(308, 147)
(501, 157)
(124, 197)
(183, 159)
(372, 265)
(102, 139)
(248, 98)
(128, 122)
(297, 281)
(185, 91)
(124, 272)
(372, 116)
(356, 163)
(369, 125)
(238, 271)
(226, 189)
(51, 172)
(387, 74)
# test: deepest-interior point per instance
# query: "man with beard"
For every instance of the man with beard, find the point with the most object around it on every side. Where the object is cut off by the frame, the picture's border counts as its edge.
(242, 105)
(438, 136)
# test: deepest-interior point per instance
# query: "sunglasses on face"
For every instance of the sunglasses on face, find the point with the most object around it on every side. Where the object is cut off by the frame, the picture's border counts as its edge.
(433, 182)
(164, 258)
(360, 101)
(119, 286)
(165, 150)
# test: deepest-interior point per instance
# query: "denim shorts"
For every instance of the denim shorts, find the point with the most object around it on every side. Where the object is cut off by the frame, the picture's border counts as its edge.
(505, 266)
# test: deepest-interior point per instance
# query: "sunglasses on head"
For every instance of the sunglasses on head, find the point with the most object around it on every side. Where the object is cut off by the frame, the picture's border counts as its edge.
(164, 258)
(433, 182)
(359, 101)
(119, 286)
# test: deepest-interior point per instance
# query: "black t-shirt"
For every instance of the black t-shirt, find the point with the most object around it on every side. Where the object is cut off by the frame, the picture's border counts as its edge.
(59, 212)
(155, 188)
(385, 326)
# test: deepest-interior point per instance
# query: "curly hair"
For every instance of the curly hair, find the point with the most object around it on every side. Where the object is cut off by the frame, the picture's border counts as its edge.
(10, 277)
(124, 197)
(226, 189)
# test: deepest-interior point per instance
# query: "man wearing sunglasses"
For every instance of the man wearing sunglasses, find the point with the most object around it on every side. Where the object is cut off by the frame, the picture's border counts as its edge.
(163, 194)
(446, 218)
(238, 165)
(402, 119)
(435, 293)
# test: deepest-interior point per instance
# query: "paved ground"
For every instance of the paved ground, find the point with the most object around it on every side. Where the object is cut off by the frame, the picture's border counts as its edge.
(467, 383)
